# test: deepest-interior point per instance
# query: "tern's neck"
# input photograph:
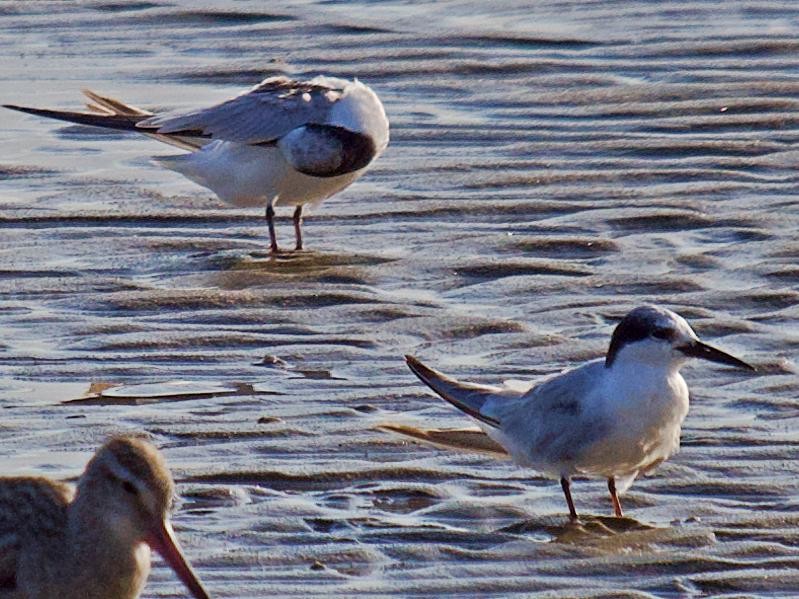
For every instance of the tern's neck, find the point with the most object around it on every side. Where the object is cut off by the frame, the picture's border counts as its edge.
(641, 373)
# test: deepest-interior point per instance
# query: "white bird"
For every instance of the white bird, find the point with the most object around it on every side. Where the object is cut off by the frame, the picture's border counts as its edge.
(282, 142)
(615, 417)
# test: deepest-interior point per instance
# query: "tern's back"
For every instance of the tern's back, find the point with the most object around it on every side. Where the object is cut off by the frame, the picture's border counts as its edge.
(548, 427)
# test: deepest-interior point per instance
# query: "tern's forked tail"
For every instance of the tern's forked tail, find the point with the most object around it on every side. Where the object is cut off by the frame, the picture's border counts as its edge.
(467, 397)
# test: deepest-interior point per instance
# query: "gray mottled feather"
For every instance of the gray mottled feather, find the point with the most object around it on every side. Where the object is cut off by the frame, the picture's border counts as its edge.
(551, 416)
(468, 397)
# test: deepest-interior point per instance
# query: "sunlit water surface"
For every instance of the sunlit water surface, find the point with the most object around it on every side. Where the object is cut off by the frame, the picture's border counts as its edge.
(551, 166)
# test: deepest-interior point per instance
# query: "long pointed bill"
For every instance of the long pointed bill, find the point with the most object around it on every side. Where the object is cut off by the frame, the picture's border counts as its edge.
(703, 351)
(162, 539)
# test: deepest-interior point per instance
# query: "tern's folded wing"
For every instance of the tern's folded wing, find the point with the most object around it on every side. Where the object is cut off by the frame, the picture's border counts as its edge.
(556, 419)
(109, 113)
(261, 115)
(561, 396)
(467, 397)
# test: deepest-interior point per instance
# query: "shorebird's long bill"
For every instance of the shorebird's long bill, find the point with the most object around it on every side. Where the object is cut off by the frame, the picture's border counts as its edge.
(703, 351)
(163, 540)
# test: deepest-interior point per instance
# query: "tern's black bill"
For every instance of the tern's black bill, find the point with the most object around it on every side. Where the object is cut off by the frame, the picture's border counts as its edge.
(697, 349)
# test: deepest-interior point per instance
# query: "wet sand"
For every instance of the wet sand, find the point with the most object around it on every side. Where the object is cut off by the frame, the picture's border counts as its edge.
(551, 166)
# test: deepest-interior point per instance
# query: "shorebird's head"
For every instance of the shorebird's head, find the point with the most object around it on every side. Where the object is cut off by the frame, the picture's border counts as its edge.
(131, 492)
(658, 337)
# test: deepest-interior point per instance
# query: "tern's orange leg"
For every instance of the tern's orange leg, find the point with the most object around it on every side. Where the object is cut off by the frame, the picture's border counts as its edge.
(564, 484)
(614, 497)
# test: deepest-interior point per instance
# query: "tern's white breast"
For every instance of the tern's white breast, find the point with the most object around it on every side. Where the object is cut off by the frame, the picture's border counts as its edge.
(644, 408)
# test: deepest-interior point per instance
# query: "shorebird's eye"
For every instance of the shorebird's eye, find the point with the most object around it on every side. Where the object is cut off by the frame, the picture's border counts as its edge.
(662, 333)
(129, 487)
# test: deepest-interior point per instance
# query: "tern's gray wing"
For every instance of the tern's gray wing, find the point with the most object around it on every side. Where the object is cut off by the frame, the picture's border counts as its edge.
(554, 419)
(563, 393)
(467, 397)
(261, 115)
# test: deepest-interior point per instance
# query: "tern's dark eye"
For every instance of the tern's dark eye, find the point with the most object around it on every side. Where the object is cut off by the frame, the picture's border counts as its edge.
(129, 487)
(662, 333)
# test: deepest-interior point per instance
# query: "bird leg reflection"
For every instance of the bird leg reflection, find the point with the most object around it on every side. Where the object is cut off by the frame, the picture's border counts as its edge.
(614, 497)
(564, 484)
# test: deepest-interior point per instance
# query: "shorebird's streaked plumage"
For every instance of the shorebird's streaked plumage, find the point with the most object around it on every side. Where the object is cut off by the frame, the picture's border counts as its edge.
(92, 542)
(614, 417)
(283, 142)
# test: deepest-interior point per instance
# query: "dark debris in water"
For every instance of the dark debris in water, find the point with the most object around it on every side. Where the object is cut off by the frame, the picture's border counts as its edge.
(109, 394)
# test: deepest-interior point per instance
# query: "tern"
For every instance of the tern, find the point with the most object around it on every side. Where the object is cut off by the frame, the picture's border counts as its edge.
(614, 417)
(93, 542)
(283, 142)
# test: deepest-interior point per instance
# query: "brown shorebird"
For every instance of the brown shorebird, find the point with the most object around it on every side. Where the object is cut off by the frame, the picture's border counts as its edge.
(92, 542)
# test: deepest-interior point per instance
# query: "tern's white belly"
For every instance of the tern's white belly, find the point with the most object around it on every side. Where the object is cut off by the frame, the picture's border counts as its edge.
(250, 176)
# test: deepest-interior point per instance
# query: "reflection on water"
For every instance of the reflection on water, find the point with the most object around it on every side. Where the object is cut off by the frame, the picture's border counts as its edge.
(552, 165)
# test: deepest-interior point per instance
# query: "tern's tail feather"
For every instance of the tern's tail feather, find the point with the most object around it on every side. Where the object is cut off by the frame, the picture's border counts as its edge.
(467, 397)
(460, 439)
(112, 114)
(119, 121)
(100, 103)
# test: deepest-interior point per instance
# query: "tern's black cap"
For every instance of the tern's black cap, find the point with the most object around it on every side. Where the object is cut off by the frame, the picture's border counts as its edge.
(639, 324)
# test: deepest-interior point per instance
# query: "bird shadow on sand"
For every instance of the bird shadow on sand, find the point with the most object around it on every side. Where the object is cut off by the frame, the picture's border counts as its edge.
(236, 270)
(609, 533)
(587, 527)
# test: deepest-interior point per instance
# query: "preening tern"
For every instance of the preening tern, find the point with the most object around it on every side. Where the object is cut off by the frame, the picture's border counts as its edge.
(283, 142)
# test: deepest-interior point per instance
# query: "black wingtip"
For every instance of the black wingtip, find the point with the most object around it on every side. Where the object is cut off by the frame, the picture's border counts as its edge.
(419, 369)
(120, 122)
(422, 372)
(28, 110)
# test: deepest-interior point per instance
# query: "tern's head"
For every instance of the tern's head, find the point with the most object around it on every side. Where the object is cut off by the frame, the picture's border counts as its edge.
(659, 337)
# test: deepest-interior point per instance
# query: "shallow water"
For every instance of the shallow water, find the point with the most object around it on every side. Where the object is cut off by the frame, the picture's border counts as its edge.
(552, 165)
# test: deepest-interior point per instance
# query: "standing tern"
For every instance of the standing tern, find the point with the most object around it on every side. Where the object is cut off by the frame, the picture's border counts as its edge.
(615, 417)
(282, 142)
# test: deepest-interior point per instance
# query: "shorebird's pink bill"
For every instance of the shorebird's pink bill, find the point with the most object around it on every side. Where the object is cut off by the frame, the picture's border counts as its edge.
(162, 539)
